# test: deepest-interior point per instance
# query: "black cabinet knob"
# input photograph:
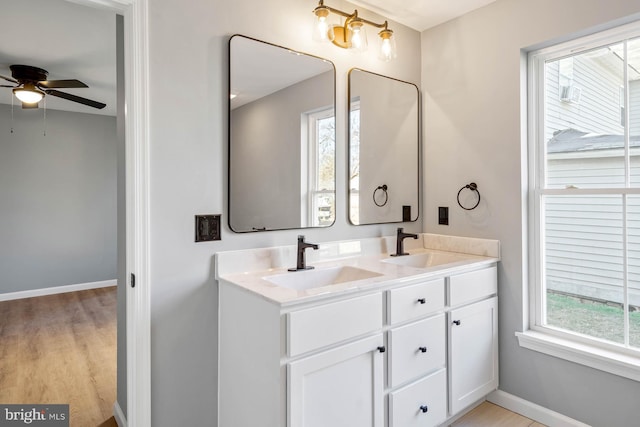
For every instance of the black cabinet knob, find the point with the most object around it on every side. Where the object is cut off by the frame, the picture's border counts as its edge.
(382, 349)
(422, 300)
(424, 409)
(457, 322)
(422, 349)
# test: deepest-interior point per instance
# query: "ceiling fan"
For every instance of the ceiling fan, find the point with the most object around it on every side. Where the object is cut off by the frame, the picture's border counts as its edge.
(32, 85)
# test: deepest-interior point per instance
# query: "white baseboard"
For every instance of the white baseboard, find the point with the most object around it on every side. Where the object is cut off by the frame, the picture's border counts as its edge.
(57, 290)
(531, 410)
(121, 420)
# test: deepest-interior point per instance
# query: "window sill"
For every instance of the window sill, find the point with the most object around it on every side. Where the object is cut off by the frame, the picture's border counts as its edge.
(609, 361)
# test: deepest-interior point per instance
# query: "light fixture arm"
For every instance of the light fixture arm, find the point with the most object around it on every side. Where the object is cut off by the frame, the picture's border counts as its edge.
(350, 16)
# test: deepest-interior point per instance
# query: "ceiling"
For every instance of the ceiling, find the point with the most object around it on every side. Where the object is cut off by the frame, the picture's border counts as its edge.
(420, 14)
(66, 39)
(78, 42)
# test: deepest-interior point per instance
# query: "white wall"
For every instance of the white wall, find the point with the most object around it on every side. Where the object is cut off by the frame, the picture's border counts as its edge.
(475, 130)
(188, 133)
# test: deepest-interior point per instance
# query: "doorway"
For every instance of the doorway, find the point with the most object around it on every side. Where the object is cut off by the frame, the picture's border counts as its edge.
(135, 357)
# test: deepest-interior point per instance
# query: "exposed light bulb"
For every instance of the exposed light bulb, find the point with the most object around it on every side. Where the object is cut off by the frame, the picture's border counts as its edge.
(358, 37)
(387, 45)
(323, 31)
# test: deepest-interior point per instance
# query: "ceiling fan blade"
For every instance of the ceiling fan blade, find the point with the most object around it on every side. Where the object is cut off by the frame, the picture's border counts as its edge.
(9, 79)
(52, 84)
(27, 106)
(7, 86)
(74, 98)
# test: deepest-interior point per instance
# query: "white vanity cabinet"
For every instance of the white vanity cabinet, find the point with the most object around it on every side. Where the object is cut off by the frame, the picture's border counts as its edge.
(473, 337)
(403, 353)
(315, 365)
(341, 387)
(417, 354)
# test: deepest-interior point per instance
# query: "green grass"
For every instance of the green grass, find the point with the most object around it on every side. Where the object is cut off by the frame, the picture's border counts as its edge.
(592, 318)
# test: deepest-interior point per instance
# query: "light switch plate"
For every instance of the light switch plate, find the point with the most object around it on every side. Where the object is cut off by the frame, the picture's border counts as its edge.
(443, 215)
(207, 228)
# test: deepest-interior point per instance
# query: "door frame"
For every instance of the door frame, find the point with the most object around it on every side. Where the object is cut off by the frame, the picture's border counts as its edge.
(138, 313)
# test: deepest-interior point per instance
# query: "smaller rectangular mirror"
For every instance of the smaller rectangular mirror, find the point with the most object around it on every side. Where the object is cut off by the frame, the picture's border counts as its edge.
(384, 149)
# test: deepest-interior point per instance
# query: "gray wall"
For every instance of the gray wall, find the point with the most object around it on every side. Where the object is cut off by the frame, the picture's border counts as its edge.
(188, 166)
(58, 199)
(388, 146)
(474, 91)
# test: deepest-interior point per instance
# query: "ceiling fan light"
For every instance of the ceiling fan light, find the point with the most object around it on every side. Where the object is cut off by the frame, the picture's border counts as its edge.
(28, 95)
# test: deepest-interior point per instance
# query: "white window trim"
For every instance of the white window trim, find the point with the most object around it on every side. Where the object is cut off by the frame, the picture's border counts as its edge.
(586, 351)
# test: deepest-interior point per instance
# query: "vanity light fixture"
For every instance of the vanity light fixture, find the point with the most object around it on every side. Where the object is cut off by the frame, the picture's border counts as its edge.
(352, 35)
(28, 94)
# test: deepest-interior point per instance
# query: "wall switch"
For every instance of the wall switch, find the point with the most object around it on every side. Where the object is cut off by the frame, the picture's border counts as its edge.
(207, 228)
(443, 215)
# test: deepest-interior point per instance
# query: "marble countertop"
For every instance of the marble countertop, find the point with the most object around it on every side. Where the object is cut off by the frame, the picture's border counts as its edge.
(256, 270)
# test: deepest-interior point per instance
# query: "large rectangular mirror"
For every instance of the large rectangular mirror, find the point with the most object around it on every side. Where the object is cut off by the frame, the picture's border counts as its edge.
(281, 138)
(384, 149)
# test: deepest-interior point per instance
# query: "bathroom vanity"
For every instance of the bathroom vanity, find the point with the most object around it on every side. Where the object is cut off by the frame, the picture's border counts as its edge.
(363, 339)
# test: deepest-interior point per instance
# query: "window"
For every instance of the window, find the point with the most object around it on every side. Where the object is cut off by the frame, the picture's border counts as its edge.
(321, 168)
(585, 193)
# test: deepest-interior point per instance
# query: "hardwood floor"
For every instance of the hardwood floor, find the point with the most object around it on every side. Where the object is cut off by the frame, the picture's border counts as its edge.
(489, 415)
(61, 349)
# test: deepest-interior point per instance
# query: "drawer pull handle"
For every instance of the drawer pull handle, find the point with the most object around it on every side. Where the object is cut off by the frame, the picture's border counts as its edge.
(422, 349)
(424, 409)
(457, 322)
(422, 300)
(382, 349)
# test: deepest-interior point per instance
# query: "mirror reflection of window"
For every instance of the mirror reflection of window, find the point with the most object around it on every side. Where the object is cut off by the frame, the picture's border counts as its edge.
(320, 172)
(354, 161)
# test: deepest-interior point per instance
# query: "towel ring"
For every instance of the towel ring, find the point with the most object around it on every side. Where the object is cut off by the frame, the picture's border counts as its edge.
(383, 188)
(473, 187)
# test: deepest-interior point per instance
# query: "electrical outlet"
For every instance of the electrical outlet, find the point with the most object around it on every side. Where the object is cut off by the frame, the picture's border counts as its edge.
(207, 228)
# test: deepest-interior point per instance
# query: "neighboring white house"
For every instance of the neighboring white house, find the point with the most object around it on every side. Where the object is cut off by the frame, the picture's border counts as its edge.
(585, 149)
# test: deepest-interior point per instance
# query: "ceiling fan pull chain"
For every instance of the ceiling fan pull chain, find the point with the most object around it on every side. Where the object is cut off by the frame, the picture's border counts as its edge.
(44, 125)
(12, 114)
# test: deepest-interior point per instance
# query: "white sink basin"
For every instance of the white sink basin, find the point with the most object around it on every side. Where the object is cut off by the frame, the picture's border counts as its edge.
(309, 279)
(427, 259)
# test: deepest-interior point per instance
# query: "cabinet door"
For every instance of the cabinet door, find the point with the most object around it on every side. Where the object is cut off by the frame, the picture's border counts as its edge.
(473, 353)
(342, 387)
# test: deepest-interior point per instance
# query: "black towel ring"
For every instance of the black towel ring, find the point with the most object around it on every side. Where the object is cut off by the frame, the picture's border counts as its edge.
(384, 188)
(473, 187)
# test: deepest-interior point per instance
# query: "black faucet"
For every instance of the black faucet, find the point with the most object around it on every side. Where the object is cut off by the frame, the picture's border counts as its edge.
(399, 241)
(301, 263)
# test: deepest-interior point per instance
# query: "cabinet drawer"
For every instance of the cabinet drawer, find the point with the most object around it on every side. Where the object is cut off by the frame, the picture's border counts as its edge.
(420, 404)
(317, 327)
(411, 302)
(416, 349)
(472, 286)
